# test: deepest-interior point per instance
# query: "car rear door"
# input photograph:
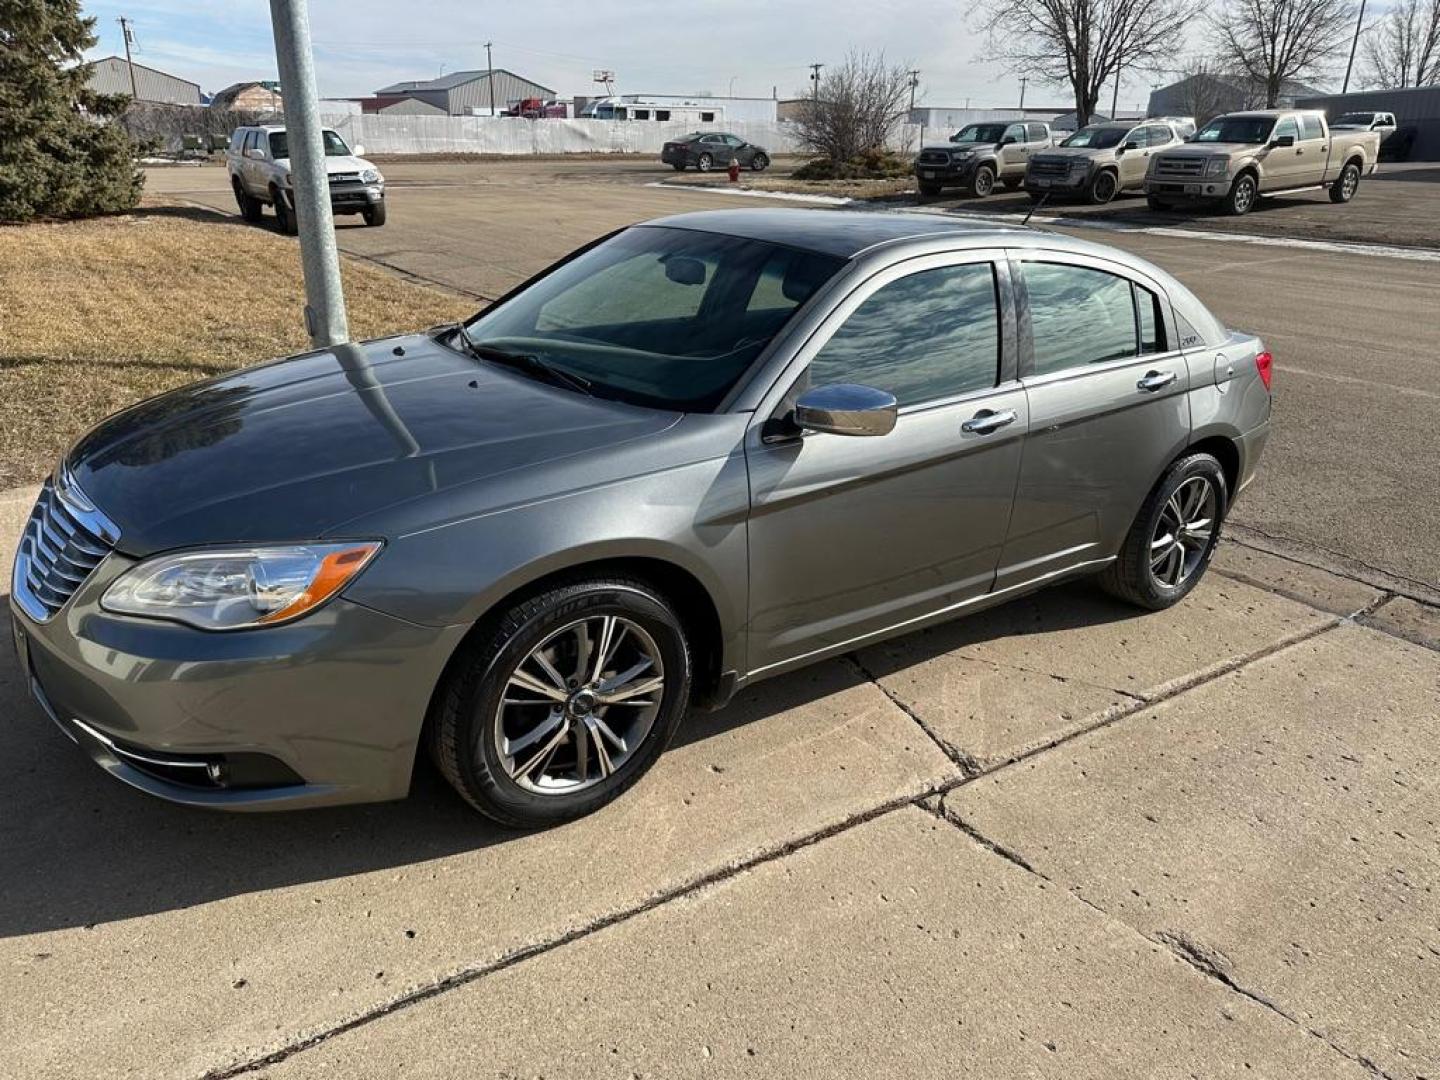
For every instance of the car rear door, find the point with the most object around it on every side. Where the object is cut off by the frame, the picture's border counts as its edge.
(1106, 386)
(1312, 151)
(1016, 154)
(851, 536)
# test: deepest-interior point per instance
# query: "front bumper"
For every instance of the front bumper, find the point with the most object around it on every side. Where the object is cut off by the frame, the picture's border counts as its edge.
(1071, 183)
(322, 711)
(1213, 187)
(348, 198)
(955, 172)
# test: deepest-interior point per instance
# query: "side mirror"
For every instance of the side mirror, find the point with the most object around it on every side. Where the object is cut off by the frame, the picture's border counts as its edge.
(1007, 140)
(847, 409)
(1131, 146)
(1283, 141)
(256, 153)
(358, 150)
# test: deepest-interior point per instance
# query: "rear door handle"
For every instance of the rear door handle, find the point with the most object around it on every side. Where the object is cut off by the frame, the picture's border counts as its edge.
(985, 421)
(1156, 380)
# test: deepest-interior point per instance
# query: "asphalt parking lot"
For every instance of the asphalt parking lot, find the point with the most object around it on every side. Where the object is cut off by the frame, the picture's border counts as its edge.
(1058, 839)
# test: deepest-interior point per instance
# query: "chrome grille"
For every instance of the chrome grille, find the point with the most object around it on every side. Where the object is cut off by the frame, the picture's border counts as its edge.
(1179, 166)
(344, 177)
(65, 539)
(1050, 166)
(934, 157)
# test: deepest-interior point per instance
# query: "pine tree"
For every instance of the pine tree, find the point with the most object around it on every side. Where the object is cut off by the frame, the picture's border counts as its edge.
(61, 154)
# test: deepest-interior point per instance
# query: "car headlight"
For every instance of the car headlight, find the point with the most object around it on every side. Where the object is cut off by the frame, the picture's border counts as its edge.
(961, 155)
(238, 588)
(1216, 166)
(371, 176)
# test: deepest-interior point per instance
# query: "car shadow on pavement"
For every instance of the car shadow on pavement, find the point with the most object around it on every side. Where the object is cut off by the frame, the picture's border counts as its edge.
(79, 849)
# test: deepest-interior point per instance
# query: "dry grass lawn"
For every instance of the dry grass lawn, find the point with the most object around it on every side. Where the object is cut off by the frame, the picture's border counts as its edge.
(96, 315)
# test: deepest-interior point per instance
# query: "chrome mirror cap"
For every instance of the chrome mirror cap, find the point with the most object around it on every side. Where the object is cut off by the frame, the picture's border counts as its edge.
(847, 409)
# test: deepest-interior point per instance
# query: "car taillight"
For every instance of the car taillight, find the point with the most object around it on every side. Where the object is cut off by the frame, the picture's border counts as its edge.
(1264, 364)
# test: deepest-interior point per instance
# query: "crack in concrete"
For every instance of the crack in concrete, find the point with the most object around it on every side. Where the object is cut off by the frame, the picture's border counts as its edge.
(1376, 577)
(963, 760)
(925, 800)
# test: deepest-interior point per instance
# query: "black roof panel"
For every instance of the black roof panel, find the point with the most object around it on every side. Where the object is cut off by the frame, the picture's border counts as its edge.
(831, 232)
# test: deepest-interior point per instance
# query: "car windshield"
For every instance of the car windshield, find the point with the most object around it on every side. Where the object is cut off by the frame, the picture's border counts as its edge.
(1237, 129)
(669, 318)
(1355, 119)
(979, 133)
(334, 145)
(1097, 138)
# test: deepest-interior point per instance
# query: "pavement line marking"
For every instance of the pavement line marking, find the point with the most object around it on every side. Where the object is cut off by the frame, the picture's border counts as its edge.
(789, 196)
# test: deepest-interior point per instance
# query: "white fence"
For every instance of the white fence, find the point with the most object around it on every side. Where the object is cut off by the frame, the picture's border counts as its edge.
(507, 135)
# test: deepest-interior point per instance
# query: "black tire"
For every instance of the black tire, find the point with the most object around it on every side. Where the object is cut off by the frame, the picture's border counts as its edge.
(982, 181)
(1346, 184)
(1157, 203)
(677, 166)
(284, 216)
(930, 190)
(1240, 200)
(1131, 577)
(461, 734)
(705, 162)
(250, 207)
(1014, 185)
(760, 162)
(374, 214)
(1102, 188)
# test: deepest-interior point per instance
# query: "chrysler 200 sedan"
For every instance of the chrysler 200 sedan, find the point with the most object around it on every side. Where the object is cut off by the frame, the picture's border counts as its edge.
(695, 453)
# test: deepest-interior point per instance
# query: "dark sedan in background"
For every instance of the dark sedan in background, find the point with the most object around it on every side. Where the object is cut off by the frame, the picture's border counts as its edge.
(708, 150)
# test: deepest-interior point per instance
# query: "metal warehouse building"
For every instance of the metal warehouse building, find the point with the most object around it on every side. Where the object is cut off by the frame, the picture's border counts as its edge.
(466, 93)
(1416, 108)
(112, 76)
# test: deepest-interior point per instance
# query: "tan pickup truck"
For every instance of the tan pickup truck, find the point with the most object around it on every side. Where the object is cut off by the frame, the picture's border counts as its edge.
(1237, 158)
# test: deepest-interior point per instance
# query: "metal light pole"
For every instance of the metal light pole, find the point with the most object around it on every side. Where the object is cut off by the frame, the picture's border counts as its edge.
(490, 77)
(324, 297)
(1354, 43)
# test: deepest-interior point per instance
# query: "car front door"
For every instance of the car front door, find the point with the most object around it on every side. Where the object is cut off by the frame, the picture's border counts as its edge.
(1282, 163)
(1106, 386)
(742, 151)
(851, 536)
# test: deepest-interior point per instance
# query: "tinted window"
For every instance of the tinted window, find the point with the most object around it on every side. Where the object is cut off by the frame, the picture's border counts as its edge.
(926, 336)
(1098, 138)
(1236, 129)
(662, 114)
(1038, 132)
(1286, 127)
(334, 145)
(1152, 323)
(1310, 126)
(1016, 132)
(658, 316)
(1078, 316)
(642, 114)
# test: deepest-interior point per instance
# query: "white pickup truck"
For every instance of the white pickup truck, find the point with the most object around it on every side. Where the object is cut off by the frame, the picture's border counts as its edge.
(1237, 158)
(258, 160)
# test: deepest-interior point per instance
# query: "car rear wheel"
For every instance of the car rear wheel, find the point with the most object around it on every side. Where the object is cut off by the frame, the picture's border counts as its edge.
(982, 182)
(1241, 198)
(374, 214)
(562, 702)
(284, 215)
(929, 190)
(1170, 544)
(759, 163)
(250, 207)
(1102, 188)
(705, 162)
(1346, 184)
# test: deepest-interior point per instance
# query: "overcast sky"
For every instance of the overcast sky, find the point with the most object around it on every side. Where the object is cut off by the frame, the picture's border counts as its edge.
(654, 46)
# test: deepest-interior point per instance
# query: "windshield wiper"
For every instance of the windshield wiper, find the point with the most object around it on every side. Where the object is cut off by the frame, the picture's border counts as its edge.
(526, 362)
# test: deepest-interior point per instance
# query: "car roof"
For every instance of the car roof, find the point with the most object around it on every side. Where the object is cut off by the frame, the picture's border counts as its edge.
(844, 233)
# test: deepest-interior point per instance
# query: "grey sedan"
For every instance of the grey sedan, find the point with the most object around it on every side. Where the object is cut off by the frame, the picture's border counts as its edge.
(697, 453)
(713, 150)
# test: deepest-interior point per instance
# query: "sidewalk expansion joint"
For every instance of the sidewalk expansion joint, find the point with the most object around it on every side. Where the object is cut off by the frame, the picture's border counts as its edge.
(1376, 577)
(966, 762)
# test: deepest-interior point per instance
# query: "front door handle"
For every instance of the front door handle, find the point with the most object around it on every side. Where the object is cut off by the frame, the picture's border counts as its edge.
(1156, 380)
(985, 421)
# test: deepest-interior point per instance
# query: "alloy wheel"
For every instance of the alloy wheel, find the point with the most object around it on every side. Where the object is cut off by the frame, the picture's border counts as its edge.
(579, 705)
(1244, 194)
(1183, 534)
(984, 182)
(1349, 182)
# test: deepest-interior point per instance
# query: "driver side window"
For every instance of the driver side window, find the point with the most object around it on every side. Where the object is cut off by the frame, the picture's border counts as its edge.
(930, 335)
(1287, 127)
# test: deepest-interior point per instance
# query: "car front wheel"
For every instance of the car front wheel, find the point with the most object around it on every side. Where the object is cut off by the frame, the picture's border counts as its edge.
(1241, 198)
(374, 214)
(563, 701)
(1173, 537)
(759, 163)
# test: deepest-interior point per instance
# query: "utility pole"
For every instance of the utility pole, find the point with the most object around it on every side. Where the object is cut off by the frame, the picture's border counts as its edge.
(324, 297)
(490, 66)
(815, 78)
(1023, 80)
(1359, 22)
(1115, 98)
(126, 33)
(914, 82)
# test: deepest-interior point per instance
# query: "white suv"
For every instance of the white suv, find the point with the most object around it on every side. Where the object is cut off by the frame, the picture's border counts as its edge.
(259, 164)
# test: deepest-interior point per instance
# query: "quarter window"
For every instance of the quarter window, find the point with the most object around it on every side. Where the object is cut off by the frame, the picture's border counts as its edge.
(1078, 316)
(933, 334)
(1151, 322)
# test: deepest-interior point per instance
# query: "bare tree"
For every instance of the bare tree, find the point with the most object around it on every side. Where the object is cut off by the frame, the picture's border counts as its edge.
(1203, 93)
(1403, 48)
(1082, 44)
(856, 107)
(1274, 41)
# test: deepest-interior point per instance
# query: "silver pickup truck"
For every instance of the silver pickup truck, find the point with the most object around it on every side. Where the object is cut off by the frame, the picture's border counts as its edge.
(1237, 158)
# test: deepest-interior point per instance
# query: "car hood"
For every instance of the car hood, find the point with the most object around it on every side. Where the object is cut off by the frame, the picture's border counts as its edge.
(1211, 149)
(951, 147)
(1086, 152)
(346, 164)
(293, 449)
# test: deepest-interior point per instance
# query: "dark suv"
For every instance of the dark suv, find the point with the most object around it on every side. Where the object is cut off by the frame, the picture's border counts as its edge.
(707, 150)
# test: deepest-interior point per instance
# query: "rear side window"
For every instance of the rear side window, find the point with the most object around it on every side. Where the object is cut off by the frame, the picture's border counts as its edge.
(1038, 132)
(1079, 316)
(1310, 128)
(933, 334)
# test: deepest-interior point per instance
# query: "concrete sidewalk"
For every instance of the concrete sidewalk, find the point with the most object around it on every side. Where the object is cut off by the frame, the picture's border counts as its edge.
(1058, 839)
